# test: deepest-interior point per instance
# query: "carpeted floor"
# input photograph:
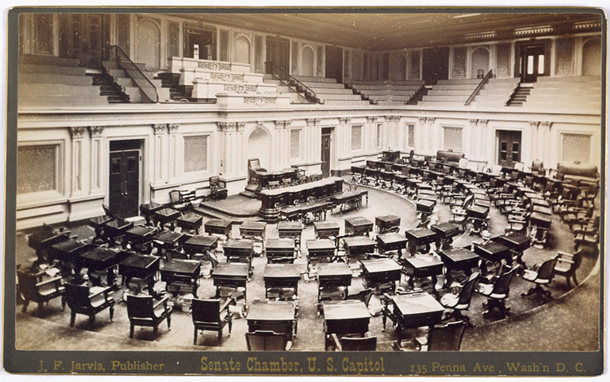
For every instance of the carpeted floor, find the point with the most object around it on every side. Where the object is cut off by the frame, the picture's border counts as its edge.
(530, 327)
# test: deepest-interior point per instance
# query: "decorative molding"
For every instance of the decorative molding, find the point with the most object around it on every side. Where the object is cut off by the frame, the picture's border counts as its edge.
(431, 120)
(159, 128)
(95, 131)
(260, 125)
(282, 124)
(344, 120)
(534, 124)
(370, 119)
(392, 118)
(240, 126)
(546, 124)
(473, 122)
(211, 65)
(172, 128)
(483, 122)
(228, 77)
(260, 100)
(77, 132)
(226, 126)
(241, 89)
(422, 120)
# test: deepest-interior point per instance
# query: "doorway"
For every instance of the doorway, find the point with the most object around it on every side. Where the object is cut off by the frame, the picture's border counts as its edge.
(203, 39)
(532, 63)
(278, 50)
(509, 148)
(124, 178)
(435, 65)
(334, 63)
(325, 158)
(86, 37)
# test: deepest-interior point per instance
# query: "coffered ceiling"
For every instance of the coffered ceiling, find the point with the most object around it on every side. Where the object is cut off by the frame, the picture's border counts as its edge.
(397, 28)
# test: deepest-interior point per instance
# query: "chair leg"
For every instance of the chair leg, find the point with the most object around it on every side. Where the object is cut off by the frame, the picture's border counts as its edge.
(195, 337)
(219, 335)
(111, 313)
(63, 303)
(131, 328)
(25, 306)
(91, 321)
(72, 318)
(169, 322)
(230, 325)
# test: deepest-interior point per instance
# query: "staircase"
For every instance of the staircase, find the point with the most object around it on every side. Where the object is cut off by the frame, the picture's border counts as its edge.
(177, 92)
(418, 96)
(113, 92)
(520, 94)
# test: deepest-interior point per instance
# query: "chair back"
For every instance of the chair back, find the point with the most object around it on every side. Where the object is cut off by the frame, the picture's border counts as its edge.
(107, 211)
(77, 296)
(27, 283)
(537, 166)
(254, 164)
(140, 306)
(545, 272)
(463, 163)
(174, 196)
(358, 343)
(266, 340)
(214, 181)
(502, 286)
(206, 310)
(481, 166)
(496, 169)
(467, 290)
(447, 336)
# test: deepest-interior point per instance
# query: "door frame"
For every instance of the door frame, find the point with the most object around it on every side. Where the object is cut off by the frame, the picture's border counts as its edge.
(142, 178)
(331, 132)
(499, 132)
(523, 54)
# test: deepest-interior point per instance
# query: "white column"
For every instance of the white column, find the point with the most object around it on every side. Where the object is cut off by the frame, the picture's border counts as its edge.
(77, 133)
(95, 162)
(160, 173)
(173, 150)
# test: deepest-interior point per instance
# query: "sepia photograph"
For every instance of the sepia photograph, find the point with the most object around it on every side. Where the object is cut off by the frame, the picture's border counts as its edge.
(305, 191)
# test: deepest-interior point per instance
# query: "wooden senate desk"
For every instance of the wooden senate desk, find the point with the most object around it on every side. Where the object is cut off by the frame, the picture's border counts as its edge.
(44, 237)
(320, 251)
(445, 233)
(148, 210)
(169, 239)
(140, 266)
(517, 242)
(419, 266)
(358, 226)
(391, 242)
(200, 244)
(68, 251)
(387, 222)
(267, 178)
(332, 276)
(185, 272)
(190, 223)
(326, 229)
(282, 280)
(381, 274)
(102, 260)
(459, 259)
(493, 251)
(425, 206)
(350, 200)
(277, 316)
(140, 236)
(412, 311)
(418, 238)
(290, 230)
(231, 275)
(165, 216)
(253, 230)
(357, 247)
(218, 227)
(344, 318)
(280, 250)
(239, 251)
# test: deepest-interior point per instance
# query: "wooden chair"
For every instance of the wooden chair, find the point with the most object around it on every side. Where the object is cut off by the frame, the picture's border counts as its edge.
(31, 287)
(182, 200)
(443, 337)
(212, 314)
(83, 300)
(218, 188)
(497, 293)
(567, 264)
(542, 274)
(142, 311)
(268, 340)
(588, 235)
(354, 343)
(460, 302)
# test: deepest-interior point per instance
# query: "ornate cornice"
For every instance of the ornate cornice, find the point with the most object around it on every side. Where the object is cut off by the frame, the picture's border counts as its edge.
(312, 121)
(77, 132)
(344, 120)
(95, 131)
(483, 122)
(534, 124)
(370, 119)
(240, 126)
(172, 128)
(473, 122)
(282, 124)
(431, 120)
(226, 126)
(422, 120)
(546, 124)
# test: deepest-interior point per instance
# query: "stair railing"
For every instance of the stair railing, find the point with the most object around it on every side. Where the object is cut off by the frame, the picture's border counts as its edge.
(140, 79)
(478, 88)
(287, 80)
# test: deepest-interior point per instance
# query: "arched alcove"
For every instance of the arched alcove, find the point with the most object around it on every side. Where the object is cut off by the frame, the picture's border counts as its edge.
(399, 67)
(307, 60)
(592, 58)
(259, 146)
(357, 66)
(148, 51)
(242, 50)
(480, 61)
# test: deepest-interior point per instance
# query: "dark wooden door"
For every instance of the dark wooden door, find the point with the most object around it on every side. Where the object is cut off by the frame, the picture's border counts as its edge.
(205, 41)
(325, 159)
(86, 37)
(532, 63)
(334, 63)
(278, 50)
(124, 183)
(509, 148)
